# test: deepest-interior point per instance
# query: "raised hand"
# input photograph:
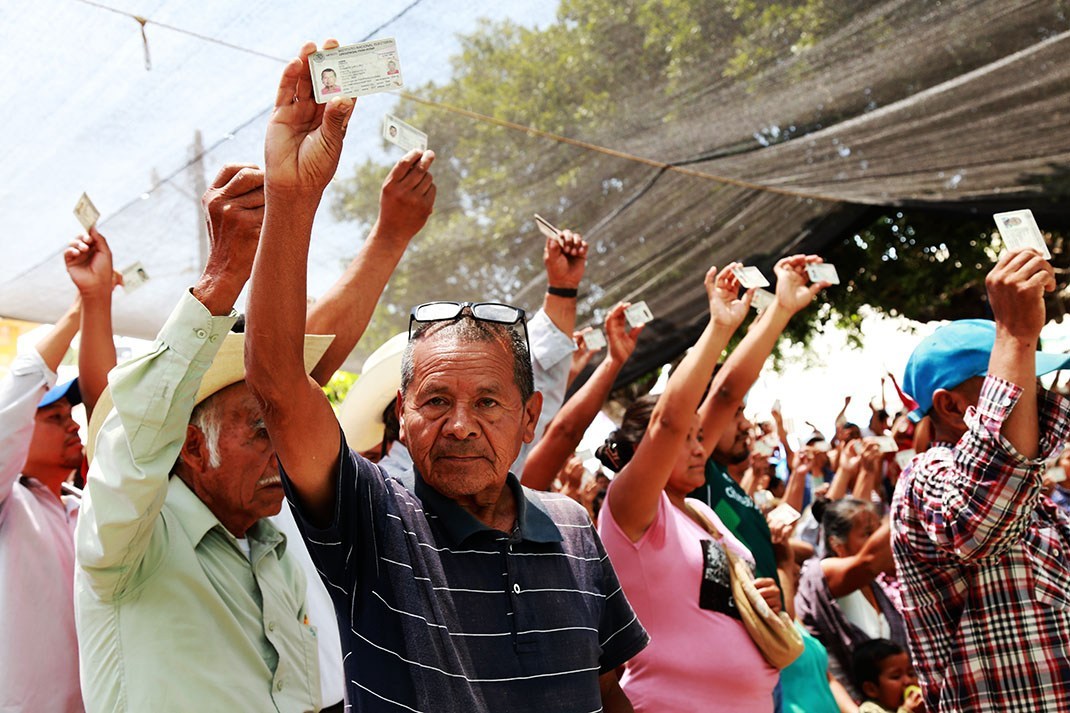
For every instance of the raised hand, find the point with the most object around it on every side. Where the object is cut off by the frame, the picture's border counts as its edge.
(1016, 287)
(407, 196)
(793, 289)
(722, 289)
(234, 213)
(565, 258)
(621, 339)
(304, 139)
(89, 263)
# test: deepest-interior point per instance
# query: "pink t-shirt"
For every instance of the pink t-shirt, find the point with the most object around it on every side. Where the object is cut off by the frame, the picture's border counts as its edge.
(698, 658)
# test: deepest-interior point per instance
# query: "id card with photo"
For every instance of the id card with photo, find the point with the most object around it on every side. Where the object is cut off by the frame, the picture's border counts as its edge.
(404, 135)
(1018, 228)
(355, 70)
(750, 277)
(762, 300)
(86, 212)
(545, 226)
(638, 314)
(823, 272)
(594, 340)
(134, 277)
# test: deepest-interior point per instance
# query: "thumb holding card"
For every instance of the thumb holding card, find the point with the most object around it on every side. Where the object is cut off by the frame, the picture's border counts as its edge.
(304, 139)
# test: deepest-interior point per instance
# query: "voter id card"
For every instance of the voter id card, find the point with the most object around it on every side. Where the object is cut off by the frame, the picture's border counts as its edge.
(545, 226)
(594, 340)
(401, 134)
(86, 212)
(750, 277)
(638, 314)
(355, 70)
(823, 272)
(1018, 228)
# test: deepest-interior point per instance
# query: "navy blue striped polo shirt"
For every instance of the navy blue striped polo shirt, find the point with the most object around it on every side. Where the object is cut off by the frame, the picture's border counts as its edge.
(438, 612)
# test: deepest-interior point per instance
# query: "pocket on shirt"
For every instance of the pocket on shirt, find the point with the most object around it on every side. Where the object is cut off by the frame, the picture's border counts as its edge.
(1047, 558)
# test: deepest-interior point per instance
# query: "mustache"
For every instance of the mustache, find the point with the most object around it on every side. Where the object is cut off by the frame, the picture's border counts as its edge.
(457, 451)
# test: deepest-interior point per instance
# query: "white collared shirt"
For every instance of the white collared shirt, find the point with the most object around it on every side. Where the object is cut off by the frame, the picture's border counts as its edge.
(38, 645)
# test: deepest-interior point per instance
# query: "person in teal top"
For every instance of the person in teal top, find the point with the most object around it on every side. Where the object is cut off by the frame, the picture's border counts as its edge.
(801, 683)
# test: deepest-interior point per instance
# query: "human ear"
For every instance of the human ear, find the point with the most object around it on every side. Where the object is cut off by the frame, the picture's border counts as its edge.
(194, 453)
(532, 411)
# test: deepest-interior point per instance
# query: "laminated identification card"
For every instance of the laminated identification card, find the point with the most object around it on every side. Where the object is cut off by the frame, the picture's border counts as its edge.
(355, 70)
(86, 212)
(1018, 229)
(750, 277)
(401, 134)
(638, 314)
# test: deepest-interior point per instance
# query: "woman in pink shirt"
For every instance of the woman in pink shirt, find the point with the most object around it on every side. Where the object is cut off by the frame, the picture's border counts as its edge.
(672, 569)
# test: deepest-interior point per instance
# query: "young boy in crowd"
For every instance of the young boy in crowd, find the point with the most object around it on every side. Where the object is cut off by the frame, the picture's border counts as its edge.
(884, 674)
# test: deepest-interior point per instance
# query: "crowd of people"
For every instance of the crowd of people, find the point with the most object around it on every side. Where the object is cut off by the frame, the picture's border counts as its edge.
(230, 542)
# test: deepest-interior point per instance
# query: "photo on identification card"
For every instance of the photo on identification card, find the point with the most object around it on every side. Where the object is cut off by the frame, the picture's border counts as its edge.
(86, 212)
(638, 314)
(762, 299)
(1018, 228)
(750, 277)
(823, 272)
(545, 226)
(401, 134)
(355, 70)
(594, 340)
(134, 277)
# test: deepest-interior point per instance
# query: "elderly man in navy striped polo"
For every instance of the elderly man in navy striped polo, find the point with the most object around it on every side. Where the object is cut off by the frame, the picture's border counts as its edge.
(456, 589)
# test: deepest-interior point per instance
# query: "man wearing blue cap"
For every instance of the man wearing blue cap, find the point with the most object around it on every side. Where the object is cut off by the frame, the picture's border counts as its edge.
(39, 449)
(981, 553)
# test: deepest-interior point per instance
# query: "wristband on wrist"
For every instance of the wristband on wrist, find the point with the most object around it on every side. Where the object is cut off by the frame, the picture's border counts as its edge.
(562, 291)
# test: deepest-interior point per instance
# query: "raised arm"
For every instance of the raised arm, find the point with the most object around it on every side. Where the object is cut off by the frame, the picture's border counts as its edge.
(153, 396)
(636, 490)
(977, 502)
(847, 574)
(565, 259)
(566, 430)
(303, 145)
(744, 364)
(405, 203)
(31, 375)
(89, 263)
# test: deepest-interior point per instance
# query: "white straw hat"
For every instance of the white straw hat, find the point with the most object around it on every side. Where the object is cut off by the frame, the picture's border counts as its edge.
(361, 413)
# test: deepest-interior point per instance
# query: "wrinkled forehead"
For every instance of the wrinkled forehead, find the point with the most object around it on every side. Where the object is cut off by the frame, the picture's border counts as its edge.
(448, 354)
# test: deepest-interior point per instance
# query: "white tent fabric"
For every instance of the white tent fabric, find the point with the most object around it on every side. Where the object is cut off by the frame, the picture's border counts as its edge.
(84, 114)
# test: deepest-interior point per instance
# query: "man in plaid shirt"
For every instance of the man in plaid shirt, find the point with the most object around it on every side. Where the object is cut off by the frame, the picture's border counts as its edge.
(981, 553)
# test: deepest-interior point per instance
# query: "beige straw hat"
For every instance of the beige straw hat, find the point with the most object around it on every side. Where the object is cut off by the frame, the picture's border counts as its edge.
(227, 368)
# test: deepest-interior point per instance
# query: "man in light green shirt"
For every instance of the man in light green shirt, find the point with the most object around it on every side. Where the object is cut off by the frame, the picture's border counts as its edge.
(184, 598)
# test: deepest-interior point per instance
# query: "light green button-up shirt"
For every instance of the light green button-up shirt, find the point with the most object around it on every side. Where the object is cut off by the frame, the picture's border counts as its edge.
(171, 614)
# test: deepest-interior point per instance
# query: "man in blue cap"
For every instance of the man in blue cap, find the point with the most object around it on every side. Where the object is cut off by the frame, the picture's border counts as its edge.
(981, 553)
(39, 449)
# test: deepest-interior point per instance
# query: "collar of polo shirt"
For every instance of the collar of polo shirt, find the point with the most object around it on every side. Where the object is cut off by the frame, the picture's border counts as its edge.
(534, 522)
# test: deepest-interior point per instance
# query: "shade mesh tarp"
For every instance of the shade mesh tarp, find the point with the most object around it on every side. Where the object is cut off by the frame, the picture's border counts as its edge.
(952, 105)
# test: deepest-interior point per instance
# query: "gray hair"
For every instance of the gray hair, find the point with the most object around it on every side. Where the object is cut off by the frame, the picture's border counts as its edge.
(466, 329)
(208, 419)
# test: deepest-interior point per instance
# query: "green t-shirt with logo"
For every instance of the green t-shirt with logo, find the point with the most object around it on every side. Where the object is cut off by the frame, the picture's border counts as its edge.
(740, 515)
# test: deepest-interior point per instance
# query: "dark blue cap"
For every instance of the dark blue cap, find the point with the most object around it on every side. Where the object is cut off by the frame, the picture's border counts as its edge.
(954, 353)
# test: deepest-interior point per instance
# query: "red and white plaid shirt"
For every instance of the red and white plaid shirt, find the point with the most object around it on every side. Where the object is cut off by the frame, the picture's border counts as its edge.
(984, 562)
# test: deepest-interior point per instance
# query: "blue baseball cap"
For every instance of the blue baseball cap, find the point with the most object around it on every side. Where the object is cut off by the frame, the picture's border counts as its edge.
(68, 390)
(954, 353)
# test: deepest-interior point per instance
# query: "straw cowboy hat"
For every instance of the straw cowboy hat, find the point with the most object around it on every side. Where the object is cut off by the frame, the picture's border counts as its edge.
(361, 414)
(227, 368)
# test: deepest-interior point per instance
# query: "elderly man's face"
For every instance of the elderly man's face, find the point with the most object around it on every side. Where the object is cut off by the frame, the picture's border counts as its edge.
(245, 486)
(463, 418)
